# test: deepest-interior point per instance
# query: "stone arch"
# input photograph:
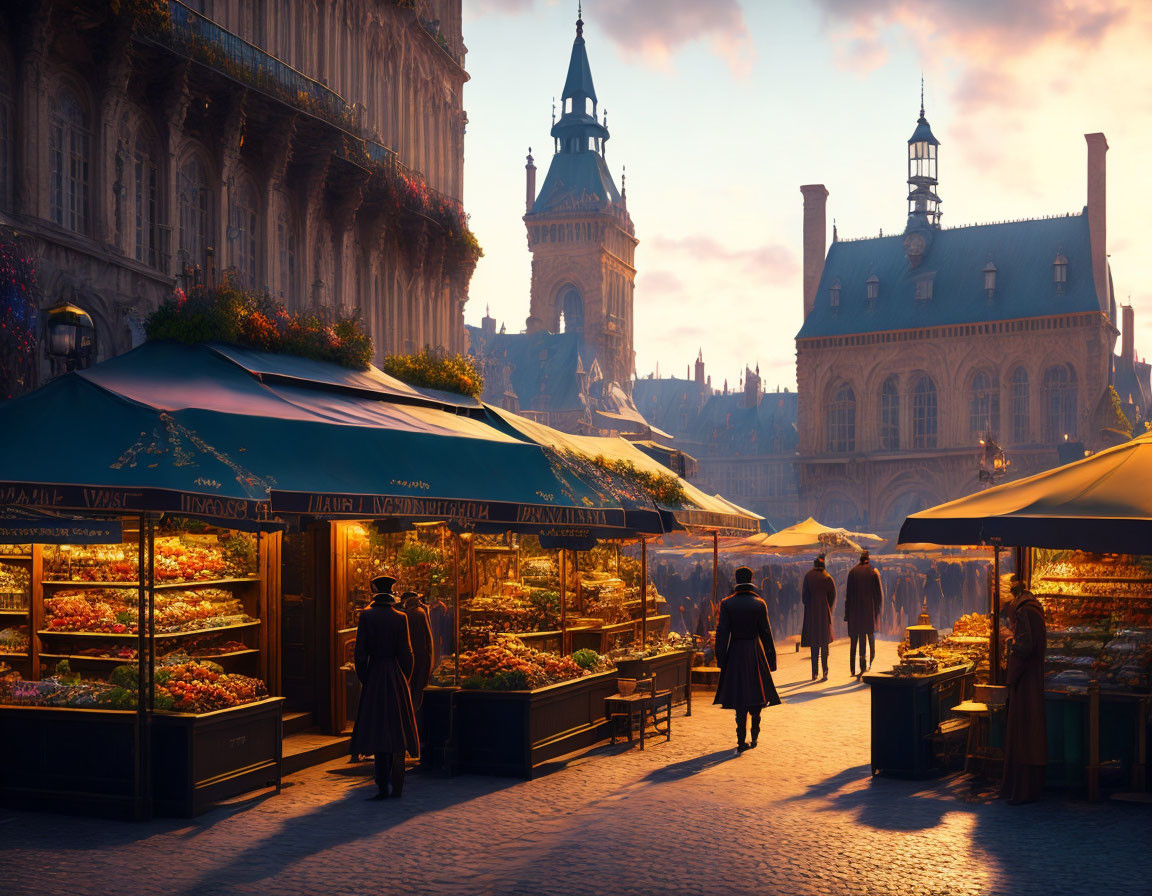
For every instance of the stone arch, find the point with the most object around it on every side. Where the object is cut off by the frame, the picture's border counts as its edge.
(839, 508)
(197, 196)
(569, 305)
(903, 496)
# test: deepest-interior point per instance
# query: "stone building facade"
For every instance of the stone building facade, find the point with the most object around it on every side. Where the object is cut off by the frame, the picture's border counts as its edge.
(289, 143)
(916, 346)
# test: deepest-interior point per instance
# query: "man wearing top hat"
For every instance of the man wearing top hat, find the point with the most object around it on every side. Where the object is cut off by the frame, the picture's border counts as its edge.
(863, 601)
(385, 723)
(420, 632)
(818, 597)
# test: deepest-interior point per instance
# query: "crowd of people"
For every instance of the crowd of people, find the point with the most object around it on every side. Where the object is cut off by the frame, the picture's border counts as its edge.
(948, 588)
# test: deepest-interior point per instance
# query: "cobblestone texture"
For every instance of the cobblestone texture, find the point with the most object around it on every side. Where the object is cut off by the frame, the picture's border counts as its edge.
(799, 815)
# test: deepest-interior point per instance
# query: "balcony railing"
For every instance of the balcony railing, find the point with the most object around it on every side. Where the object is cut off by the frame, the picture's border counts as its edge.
(191, 34)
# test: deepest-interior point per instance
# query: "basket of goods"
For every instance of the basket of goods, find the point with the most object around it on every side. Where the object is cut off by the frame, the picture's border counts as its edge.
(626, 686)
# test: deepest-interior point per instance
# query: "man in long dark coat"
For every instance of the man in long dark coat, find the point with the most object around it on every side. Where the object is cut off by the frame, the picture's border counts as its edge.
(818, 597)
(1026, 735)
(746, 656)
(385, 723)
(420, 632)
(863, 600)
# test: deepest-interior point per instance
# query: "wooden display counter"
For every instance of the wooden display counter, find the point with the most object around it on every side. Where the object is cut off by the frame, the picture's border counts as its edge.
(905, 710)
(83, 761)
(514, 732)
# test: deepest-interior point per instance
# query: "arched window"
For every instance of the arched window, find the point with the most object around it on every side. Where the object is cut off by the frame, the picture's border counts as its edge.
(924, 413)
(145, 200)
(1020, 421)
(842, 420)
(7, 135)
(572, 311)
(69, 162)
(244, 231)
(1059, 403)
(288, 249)
(890, 414)
(196, 209)
(984, 404)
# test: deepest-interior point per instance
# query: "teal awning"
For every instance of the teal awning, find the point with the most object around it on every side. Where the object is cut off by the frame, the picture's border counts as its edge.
(204, 431)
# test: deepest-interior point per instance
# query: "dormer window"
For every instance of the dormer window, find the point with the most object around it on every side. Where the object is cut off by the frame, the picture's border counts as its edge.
(924, 289)
(834, 294)
(872, 288)
(1060, 271)
(990, 279)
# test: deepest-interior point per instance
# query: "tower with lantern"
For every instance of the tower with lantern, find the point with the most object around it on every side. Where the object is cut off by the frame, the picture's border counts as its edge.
(923, 201)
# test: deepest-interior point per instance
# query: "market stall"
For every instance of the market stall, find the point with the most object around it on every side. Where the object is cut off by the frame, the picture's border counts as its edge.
(1079, 533)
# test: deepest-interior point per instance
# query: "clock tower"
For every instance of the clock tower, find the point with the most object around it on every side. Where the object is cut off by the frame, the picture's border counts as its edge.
(580, 233)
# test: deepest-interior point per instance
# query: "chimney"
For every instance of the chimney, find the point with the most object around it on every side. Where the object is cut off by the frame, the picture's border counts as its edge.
(1098, 215)
(530, 184)
(815, 240)
(752, 387)
(1128, 335)
(700, 368)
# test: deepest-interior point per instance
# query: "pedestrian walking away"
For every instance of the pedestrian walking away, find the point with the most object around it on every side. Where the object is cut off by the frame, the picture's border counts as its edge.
(818, 597)
(863, 601)
(420, 632)
(385, 723)
(1025, 741)
(746, 656)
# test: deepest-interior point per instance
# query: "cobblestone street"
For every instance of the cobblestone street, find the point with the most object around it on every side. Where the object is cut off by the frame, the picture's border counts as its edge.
(798, 815)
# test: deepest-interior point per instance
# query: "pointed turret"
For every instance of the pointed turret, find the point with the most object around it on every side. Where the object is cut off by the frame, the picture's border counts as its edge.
(578, 130)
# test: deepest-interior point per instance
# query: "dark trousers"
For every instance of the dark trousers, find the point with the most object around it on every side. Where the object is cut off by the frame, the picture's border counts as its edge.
(819, 655)
(389, 769)
(742, 723)
(869, 641)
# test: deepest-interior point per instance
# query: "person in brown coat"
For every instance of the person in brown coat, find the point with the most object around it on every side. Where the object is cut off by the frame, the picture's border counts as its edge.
(385, 723)
(818, 598)
(746, 656)
(1026, 734)
(420, 631)
(863, 601)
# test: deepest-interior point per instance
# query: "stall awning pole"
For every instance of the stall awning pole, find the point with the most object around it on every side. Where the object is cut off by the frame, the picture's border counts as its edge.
(456, 610)
(563, 602)
(994, 644)
(715, 565)
(643, 591)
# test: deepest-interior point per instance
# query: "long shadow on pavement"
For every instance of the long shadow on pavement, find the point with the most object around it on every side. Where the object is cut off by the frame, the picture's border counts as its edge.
(690, 767)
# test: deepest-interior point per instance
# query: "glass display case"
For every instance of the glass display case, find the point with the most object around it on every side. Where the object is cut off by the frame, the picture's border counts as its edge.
(1098, 609)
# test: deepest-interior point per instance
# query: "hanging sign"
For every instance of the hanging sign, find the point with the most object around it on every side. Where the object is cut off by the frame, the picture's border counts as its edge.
(37, 530)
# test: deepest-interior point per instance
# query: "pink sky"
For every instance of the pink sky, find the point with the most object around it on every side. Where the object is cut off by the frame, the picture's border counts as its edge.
(721, 110)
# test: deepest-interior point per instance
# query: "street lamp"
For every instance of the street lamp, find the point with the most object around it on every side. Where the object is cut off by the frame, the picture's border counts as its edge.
(994, 464)
(70, 336)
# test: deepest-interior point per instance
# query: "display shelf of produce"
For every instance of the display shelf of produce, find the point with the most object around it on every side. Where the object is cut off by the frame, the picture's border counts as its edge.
(19, 656)
(4, 557)
(204, 583)
(122, 635)
(58, 583)
(160, 586)
(121, 660)
(1104, 579)
(23, 612)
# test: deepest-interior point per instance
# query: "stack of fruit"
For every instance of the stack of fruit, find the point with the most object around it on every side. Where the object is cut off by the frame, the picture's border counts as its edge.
(107, 610)
(509, 666)
(14, 639)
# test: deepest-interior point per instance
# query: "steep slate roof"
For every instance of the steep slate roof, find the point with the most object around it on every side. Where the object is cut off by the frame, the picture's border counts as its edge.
(1022, 251)
(537, 359)
(576, 177)
(723, 426)
(579, 80)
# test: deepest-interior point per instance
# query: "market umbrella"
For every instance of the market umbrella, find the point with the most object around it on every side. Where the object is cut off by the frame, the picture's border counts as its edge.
(1100, 503)
(811, 534)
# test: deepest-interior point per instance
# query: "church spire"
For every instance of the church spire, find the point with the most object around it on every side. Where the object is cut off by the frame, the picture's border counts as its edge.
(578, 129)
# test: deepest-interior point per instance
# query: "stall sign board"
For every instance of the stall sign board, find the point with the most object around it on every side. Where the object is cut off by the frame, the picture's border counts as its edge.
(17, 530)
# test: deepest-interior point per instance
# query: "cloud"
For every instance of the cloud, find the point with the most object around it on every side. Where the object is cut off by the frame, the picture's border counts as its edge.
(664, 282)
(659, 29)
(990, 41)
(770, 261)
(476, 9)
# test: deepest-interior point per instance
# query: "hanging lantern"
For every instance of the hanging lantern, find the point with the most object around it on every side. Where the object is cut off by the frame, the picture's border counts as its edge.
(70, 336)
